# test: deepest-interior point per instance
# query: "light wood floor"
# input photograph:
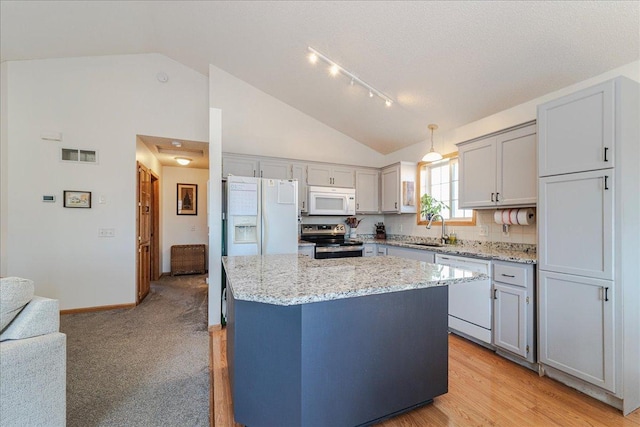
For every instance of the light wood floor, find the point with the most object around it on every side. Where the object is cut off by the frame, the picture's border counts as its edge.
(484, 390)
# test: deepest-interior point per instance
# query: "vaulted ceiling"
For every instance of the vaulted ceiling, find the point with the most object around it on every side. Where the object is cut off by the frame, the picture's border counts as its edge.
(444, 62)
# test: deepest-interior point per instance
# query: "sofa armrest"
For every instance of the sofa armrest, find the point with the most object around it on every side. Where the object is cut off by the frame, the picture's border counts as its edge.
(34, 378)
(41, 316)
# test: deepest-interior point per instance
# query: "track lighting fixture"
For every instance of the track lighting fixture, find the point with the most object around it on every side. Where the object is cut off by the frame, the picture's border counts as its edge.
(335, 69)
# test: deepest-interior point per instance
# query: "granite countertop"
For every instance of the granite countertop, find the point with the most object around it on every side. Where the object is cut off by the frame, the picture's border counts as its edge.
(297, 279)
(525, 254)
(498, 251)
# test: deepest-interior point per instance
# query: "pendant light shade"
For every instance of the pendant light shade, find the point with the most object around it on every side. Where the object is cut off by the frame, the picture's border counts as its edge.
(432, 155)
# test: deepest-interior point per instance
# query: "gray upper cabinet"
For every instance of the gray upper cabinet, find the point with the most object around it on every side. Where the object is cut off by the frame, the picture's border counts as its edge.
(330, 175)
(299, 173)
(517, 171)
(478, 173)
(275, 169)
(398, 188)
(577, 132)
(239, 166)
(499, 170)
(367, 191)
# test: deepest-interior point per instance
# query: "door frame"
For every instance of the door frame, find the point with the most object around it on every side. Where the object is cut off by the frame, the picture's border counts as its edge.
(155, 229)
(154, 241)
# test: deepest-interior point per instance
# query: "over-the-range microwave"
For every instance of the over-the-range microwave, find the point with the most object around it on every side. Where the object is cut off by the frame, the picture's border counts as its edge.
(332, 201)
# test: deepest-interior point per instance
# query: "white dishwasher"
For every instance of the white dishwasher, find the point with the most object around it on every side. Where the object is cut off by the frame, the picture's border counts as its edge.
(470, 304)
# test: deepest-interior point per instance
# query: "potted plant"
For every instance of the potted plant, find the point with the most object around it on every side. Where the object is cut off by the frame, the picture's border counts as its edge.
(430, 206)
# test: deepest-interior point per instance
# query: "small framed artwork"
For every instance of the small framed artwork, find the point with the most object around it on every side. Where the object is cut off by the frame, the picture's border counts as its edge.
(187, 199)
(408, 193)
(77, 199)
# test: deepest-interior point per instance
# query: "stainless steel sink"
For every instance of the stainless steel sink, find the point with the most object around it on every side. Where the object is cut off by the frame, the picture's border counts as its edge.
(436, 245)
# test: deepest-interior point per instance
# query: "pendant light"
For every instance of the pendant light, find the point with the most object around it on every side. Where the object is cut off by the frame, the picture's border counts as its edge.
(432, 155)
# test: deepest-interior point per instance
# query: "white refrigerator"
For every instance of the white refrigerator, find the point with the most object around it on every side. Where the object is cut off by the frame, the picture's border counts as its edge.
(262, 216)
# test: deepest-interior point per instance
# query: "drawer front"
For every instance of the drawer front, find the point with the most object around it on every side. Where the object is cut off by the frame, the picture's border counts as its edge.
(512, 274)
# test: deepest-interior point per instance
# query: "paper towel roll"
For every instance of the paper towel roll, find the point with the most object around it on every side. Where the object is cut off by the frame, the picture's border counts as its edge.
(525, 216)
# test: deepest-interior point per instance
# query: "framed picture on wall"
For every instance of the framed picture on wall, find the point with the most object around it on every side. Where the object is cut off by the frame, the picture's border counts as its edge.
(77, 199)
(187, 199)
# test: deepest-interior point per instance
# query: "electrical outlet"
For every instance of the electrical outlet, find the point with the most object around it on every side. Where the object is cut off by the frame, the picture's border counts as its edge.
(483, 230)
(106, 232)
(193, 228)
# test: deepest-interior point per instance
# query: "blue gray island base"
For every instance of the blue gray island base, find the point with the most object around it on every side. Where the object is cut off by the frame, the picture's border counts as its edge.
(344, 362)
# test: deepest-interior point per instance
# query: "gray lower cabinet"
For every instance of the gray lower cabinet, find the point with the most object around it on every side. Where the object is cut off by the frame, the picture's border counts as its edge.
(577, 327)
(370, 249)
(306, 250)
(514, 309)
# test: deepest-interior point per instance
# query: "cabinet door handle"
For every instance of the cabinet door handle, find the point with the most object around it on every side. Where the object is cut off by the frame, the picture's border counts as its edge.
(497, 197)
(261, 174)
(508, 275)
(303, 204)
(606, 149)
(395, 205)
(606, 182)
(495, 293)
(606, 294)
(492, 197)
(357, 205)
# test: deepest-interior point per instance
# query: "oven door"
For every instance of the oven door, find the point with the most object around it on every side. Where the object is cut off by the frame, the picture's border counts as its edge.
(325, 252)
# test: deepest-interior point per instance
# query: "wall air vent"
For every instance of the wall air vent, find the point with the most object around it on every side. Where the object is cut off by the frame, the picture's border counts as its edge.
(76, 155)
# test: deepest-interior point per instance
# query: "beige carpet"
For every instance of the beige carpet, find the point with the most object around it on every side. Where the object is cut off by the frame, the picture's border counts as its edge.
(146, 366)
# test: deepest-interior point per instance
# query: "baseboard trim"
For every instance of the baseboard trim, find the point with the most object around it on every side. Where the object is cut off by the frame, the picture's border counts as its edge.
(98, 308)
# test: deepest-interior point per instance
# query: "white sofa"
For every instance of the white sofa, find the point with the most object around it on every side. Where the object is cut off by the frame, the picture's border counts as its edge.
(32, 357)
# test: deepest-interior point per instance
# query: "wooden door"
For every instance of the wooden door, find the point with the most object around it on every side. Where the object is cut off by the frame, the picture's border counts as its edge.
(144, 232)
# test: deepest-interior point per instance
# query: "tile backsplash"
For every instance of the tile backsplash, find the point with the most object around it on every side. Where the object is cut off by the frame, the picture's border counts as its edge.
(405, 224)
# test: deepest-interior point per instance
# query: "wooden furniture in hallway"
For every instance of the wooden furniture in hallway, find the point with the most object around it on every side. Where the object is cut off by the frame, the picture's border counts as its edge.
(484, 389)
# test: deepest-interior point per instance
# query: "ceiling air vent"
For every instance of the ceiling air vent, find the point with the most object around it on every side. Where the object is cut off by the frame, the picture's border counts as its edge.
(76, 155)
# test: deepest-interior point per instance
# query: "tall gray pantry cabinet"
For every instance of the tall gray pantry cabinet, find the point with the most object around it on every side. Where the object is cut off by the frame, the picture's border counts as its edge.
(589, 241)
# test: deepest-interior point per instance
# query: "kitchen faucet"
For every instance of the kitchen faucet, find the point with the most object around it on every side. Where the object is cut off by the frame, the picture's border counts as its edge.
(443, 238)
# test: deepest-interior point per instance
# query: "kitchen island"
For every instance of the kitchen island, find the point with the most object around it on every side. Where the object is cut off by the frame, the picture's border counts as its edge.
(340, 342)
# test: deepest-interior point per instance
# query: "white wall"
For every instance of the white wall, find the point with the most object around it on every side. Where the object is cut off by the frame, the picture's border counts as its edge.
(254, 122)
(182, 229)
(100, 103)
(147, 158)
(4, 168)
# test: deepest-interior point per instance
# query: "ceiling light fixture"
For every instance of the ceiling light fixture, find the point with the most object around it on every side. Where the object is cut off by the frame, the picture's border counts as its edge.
(432, 155)
(183, 161)
(336, 69)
